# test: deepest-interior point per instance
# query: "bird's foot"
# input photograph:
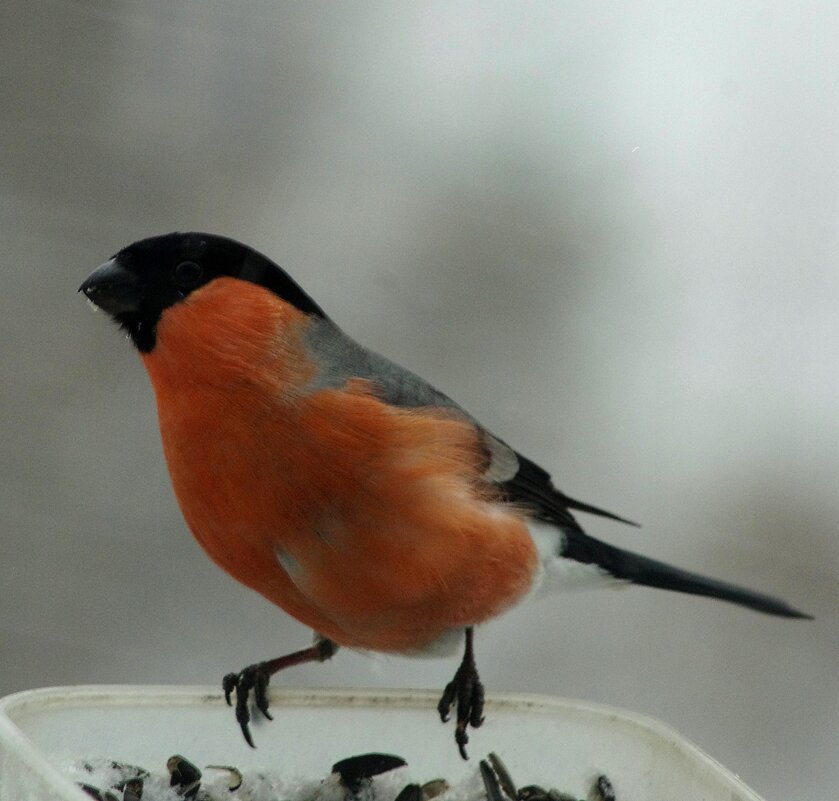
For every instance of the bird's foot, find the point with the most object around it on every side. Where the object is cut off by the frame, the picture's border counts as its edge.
(254, 677)
(465, 688)
(257, 677)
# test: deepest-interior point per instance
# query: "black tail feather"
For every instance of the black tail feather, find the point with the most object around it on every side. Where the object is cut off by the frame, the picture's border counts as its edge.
(532, 487)
(580, 506)
(652, 573)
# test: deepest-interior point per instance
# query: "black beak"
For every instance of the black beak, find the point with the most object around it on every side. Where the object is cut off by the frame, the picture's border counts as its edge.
(113, 288)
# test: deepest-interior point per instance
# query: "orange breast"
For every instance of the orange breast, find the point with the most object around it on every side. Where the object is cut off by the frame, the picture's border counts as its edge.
(364, 521)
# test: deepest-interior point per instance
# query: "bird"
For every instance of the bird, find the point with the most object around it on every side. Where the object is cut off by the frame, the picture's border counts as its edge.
(341, 486)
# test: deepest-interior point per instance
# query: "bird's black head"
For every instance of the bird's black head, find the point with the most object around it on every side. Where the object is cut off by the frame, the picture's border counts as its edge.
(144, 279)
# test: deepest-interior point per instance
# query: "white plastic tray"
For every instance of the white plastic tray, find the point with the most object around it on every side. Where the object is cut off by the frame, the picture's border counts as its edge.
(549, 741)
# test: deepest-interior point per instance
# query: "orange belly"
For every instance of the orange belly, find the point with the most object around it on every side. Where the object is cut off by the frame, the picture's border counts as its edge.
(363, 521)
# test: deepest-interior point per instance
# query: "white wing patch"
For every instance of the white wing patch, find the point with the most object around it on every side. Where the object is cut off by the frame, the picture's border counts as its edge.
(503, 462)
(289, 564)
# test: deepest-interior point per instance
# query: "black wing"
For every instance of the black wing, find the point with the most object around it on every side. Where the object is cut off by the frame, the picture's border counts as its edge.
(532, 487)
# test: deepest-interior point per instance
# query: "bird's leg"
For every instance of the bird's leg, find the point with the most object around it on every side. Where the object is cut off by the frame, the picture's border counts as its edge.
(256, 677)
(467, 690)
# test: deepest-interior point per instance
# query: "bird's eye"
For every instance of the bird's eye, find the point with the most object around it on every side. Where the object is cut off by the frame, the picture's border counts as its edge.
(188, 273)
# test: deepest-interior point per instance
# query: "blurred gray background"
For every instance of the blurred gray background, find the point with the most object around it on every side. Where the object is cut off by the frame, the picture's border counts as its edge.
(609, 230)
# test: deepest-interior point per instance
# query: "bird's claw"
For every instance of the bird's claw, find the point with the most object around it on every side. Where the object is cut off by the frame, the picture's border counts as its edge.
(444, 705)
(468, 691)
(254, 677)
(228, 684)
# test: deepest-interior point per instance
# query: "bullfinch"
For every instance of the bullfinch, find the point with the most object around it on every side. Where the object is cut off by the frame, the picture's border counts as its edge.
(342, 487)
